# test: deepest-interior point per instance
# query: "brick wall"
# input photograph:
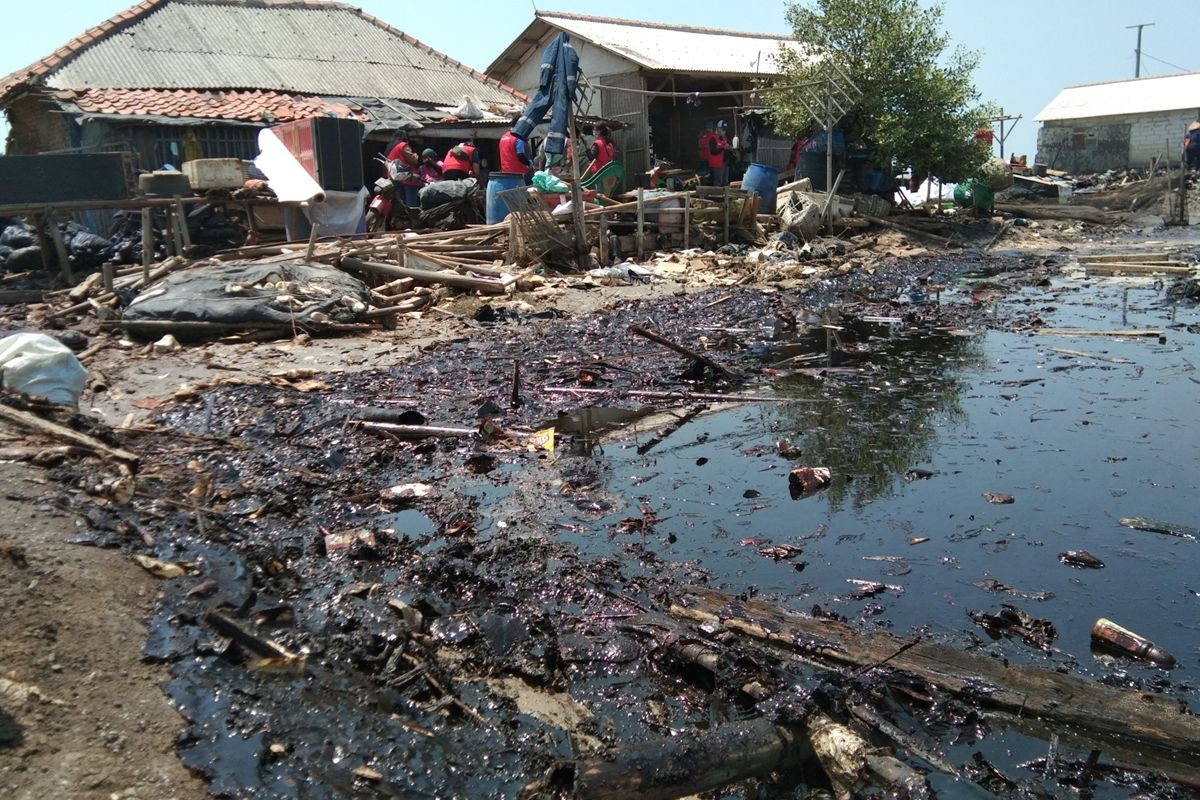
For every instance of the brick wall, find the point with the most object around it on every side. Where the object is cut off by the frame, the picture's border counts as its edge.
(1099, 144)
(36, 126)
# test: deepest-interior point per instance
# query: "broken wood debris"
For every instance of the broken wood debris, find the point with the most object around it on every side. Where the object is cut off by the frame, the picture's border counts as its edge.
(1145, 728)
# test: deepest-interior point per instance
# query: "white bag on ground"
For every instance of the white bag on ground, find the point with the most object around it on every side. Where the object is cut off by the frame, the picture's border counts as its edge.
(37, 365)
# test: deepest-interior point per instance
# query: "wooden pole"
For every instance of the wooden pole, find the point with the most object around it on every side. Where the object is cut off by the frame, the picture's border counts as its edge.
(687, 219)
(39, 226)
(603, 240)
(581, 248)
(106, 271)
(147, 242)
(60, 249)
(181, 223)
(641, 219)
(312, 243)
(727, 211)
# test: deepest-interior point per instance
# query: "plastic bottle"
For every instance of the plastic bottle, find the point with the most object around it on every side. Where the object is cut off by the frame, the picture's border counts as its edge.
(1109, 633)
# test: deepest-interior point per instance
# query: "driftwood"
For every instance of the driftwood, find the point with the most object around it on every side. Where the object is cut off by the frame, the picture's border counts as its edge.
(1141, 727)
(716, 368)
(63, 434)
(910, 230)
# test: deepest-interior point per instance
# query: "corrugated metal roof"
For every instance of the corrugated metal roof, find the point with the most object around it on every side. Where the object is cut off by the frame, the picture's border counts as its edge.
(677, 48)
(1137, 96)
(291, 46)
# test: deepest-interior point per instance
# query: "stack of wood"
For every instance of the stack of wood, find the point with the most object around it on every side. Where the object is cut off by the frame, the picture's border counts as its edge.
(406, 271)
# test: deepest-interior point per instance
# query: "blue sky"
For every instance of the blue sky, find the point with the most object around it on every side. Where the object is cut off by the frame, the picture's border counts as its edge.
(1031, 48)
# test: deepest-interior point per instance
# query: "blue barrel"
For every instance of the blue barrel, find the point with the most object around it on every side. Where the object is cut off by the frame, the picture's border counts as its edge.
(763, 180)
(497, 183)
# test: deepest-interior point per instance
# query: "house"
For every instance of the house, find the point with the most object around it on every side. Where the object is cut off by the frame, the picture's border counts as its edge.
(172, 80)
(1101, 126)
(642, 73)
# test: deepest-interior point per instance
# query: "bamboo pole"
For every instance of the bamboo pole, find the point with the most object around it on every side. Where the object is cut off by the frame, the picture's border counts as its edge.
(147, 242)
(641, 218)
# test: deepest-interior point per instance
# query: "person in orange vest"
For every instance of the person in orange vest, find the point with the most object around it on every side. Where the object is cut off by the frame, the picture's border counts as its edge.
(602, 150)
(718, 146)
(705, 135)
(514, 153)
(462, 161)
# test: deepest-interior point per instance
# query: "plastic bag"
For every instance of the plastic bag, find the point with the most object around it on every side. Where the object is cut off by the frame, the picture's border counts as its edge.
(550, 184)
(36, 365)
(467, 109)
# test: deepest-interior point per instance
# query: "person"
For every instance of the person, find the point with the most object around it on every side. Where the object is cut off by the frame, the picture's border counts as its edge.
(705, 135)
(462, 161)
(1191, 146)
(602, 150)
(402, 163)
(718, 146)
(514, 153)
(429, 171)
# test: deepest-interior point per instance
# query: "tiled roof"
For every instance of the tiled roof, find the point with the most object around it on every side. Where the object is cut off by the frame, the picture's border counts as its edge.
(243, 106)
(309, 47)
(653, 45)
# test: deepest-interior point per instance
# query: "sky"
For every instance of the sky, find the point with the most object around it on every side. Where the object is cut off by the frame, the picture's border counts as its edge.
(1030, 48)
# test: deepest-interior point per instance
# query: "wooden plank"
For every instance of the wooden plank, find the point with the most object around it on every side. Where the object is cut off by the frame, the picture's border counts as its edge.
(1084, 332)
(1151, 727)
(1126, 258)
(1112, 268)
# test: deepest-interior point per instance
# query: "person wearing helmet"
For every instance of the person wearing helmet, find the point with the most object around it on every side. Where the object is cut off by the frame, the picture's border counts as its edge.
(429, 169)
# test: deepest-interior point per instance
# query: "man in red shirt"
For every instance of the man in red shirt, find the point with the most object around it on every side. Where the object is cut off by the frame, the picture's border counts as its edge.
(718, 146)
(402, 165)
(461, 162)
(514, 154)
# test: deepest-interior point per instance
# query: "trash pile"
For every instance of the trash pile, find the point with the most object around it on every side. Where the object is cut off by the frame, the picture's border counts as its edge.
(477, 574)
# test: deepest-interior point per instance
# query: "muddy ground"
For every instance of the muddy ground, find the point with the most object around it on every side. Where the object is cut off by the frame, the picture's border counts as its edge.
(97, 724)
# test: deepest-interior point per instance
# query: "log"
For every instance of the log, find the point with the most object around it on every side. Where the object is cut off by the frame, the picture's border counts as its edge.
(1145, 728)
(1126, 258)
(688, 765)
(61, 433)
(716, 368)
(12, 297)
(425, 276)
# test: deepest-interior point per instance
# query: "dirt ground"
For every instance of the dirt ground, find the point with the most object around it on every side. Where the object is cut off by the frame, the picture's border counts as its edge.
(81, 715)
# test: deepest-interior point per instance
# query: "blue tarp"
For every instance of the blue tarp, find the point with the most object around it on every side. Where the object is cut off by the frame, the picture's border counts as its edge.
(556, 90)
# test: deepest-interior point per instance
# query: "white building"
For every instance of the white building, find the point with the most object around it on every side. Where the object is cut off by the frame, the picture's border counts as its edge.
(1101, 126)
(642, 72)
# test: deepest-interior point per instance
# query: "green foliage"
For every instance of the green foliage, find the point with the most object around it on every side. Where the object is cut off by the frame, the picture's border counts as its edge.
(919, 105)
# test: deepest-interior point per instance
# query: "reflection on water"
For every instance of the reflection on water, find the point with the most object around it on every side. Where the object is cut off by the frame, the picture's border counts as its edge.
(876, 424)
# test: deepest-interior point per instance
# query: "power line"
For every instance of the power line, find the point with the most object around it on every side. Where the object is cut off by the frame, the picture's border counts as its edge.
(1168, 63)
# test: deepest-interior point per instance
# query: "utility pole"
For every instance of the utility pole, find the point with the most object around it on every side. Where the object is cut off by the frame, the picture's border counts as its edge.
(1137, 72)
(1003, 118)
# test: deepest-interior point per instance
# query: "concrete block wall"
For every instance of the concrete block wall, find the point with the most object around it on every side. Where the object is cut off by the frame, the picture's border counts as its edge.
(1113, 142)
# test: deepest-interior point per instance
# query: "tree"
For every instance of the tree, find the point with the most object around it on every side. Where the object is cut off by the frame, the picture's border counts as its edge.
(919, 104)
